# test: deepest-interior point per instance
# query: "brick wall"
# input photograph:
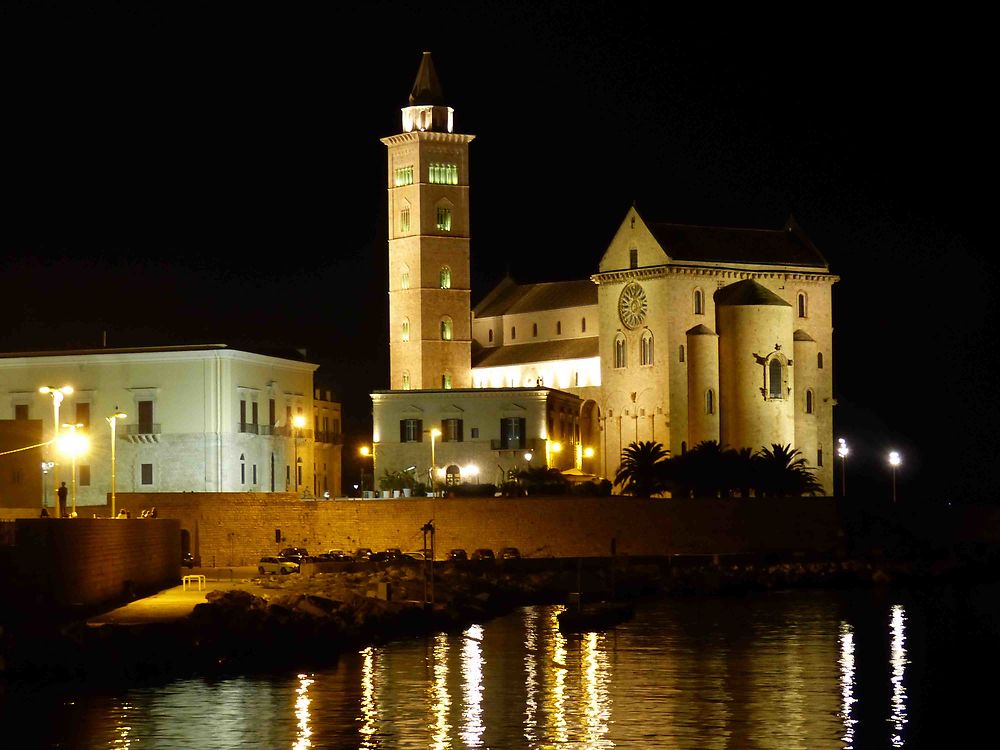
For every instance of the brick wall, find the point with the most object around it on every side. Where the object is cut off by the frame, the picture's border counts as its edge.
(89, 561)
(236, 529)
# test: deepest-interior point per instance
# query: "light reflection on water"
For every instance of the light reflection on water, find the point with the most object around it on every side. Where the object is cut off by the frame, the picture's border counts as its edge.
(768, 671)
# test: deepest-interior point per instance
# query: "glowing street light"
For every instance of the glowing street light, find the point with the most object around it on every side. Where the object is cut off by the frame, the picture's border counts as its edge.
(894, 461)
(435, 433)
(113, 421)
(74, 444)
(365, 452)
(842, 451)
(551, 447)
(57, 398)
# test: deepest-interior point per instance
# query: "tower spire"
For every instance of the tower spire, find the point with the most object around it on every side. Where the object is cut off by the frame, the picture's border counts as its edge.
(427, 111)
(426, 86)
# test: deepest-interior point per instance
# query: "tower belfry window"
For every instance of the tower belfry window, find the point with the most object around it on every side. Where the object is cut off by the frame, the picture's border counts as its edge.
(443, 221)
(443, 174)
(445, 277)
(446, 329)
(404, 219)
(403, 176)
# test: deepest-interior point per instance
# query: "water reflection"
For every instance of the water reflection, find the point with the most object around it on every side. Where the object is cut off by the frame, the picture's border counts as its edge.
(302, 701)
(898, 661)
(769, 672)
(369, 706)
(440, 698)
(847, 685)
(472, 690)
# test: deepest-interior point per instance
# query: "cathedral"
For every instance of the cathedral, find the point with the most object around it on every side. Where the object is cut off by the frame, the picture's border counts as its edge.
(683, 334)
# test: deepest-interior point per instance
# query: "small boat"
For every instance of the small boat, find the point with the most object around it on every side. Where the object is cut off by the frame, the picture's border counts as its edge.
(589, 618)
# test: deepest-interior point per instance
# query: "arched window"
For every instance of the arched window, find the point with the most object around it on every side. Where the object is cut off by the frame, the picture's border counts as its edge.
(802, 305)
(491, 334)
(452, 476)
(406, 380)
(446, 380)
(534, 329)
(620, 352)
(681, 353)
(404, 220)
(446, 330)
(647, 348)
(406, 330)
(699, 302)
(404, 277)
(819, 360)
(710, 401)
(775, 374)
(809, 401)
(243, 469)
(445, 277)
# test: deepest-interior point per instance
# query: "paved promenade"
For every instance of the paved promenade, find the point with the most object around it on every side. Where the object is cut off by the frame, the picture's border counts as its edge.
(176, 603)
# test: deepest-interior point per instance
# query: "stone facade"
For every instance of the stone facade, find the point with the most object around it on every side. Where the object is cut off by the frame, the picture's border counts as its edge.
(668, 345)
(201, 418)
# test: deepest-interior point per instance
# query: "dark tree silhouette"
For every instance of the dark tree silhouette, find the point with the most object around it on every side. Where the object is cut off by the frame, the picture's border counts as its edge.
(783, 472)
(640, 472)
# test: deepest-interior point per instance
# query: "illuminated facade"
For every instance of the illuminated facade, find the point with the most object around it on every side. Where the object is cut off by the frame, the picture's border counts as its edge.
(684, 334)
(199, 418)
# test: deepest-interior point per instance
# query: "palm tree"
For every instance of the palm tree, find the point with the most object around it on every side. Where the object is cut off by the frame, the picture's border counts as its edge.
(640, 471)
(783, 472)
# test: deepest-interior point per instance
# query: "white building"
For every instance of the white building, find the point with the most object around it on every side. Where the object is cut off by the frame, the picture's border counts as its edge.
(202, 418)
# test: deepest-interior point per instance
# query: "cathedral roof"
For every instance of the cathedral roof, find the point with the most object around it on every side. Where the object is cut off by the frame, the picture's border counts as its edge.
(541, 351)
(786, 247)
(748, 292)
(509, 297)
(427, 87)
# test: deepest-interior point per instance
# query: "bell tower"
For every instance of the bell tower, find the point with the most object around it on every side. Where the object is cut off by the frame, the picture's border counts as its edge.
(430, 321)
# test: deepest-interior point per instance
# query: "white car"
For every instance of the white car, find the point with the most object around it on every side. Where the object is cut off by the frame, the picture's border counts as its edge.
(271, 565)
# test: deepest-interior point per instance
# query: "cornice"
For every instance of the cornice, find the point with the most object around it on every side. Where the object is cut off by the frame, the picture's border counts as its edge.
(426, 135)
(735, 274)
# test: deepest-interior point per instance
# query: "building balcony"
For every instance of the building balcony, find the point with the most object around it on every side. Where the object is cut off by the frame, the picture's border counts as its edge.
(326, 436)
(528, 444)
(249, 428)
(140, 433)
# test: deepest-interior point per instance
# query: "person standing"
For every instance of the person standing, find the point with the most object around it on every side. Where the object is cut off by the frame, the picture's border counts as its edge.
(61, 492)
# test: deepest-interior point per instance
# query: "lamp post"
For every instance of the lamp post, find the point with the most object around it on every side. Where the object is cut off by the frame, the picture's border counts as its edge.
(74, 444)
(842, 451)
(365, 451)
(113, 421)
(298, 422)
(57, 398)
(894, 461)
(435, 433)
(551, 447)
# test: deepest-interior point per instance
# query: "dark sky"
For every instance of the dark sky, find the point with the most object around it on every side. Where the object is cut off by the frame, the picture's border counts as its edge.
(178, 174)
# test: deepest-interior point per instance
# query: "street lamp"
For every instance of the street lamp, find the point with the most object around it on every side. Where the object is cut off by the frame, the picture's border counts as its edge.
(365, 451)
(75, 445)
(57, 398)
(894, 461)
(842, 451)
(435, 433)
(113, 421)
(551, 447)
(298, 422)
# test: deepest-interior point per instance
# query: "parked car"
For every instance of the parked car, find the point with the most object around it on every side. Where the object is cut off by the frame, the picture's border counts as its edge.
(335, 555)
(272, 564)
(363, 553)
(483, 554)
(457, 554)
(510, 553)
(299, 554)
(418, 555)
(388, 555)
(187, 560)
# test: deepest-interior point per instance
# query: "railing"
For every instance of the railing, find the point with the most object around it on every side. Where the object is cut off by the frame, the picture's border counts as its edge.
(531, 444)
(327, 436)
(141, 429)
(250, 428)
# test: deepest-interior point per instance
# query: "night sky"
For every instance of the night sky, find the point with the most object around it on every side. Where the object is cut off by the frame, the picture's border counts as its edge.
(182, 175)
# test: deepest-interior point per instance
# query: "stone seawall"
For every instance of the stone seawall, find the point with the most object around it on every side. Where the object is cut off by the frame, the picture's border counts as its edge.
(236, 529)
(85, 562)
